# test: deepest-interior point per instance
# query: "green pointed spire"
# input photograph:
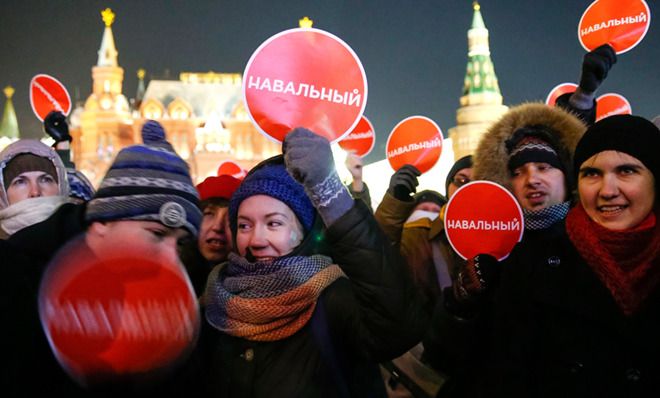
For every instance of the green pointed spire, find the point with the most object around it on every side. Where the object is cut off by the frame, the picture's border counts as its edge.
(9, 124)
(477, 20)
(480, 75)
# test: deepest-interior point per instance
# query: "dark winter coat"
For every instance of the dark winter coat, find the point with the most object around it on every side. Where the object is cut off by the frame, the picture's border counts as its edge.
(30, 369)
(416, 243)
(461, 346)
(373, 315)
(558, 331)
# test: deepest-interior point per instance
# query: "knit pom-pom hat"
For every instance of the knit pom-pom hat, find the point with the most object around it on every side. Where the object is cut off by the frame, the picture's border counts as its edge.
(148, 182)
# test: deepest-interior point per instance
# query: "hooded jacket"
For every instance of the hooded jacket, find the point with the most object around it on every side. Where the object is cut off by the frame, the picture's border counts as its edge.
(492, 157)
(13, 218)
(36, 148)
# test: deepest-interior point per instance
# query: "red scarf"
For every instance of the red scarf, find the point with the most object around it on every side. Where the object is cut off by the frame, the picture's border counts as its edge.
(626, 261)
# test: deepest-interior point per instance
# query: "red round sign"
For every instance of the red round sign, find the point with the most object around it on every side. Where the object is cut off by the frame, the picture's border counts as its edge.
(558, 91)
(621, 24)
(612, 104)
(361, 140)
(110, 318)
(305, 78)
(416, 140)
(231, 168)
(483, 218)
(48, 94)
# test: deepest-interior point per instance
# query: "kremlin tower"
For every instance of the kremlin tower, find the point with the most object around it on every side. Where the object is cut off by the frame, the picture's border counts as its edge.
(481, 102)
(106, 123)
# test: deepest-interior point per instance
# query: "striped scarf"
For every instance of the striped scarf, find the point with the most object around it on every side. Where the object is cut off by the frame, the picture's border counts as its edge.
(267, 301)
(544, 218)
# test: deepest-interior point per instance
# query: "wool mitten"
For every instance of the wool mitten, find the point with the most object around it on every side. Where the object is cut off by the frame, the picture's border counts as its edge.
(308, 158)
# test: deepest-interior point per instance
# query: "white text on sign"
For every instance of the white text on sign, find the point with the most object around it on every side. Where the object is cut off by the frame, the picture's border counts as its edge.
(630, 20)
(143, 321)
(359, 136)
(306, 90)
(495, 225)
(416, 146)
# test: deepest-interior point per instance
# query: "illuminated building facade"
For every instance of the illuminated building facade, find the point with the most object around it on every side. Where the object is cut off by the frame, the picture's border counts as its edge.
(202, 114)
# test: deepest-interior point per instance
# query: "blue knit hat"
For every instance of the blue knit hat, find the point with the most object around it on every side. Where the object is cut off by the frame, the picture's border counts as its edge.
(272, 179)
(80, 186)
(148, 182)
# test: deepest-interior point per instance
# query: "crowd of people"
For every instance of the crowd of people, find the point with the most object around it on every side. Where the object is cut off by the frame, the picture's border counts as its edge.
(305, 291)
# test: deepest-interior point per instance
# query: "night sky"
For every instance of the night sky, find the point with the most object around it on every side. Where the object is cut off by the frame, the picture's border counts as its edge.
(414, 52)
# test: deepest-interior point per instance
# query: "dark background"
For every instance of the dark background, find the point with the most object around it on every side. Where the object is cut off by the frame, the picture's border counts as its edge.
(414, 52)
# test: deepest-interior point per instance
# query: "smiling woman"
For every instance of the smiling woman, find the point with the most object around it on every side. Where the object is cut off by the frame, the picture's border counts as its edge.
(617, 169)
(267, 229)
(315, 295)
(616, 190)
(34, 185)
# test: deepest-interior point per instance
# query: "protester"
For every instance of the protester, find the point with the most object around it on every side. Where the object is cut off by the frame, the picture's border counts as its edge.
(214, 242)
(287, 320)
(577, 314)
(528, 151)
(428, 201)
(358, 188)
(422, 243)
(33, 185)
(419, 234)
(146, 200)
(459, 175)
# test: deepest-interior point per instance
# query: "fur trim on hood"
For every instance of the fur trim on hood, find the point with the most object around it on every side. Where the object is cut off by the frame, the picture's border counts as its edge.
(491, 157)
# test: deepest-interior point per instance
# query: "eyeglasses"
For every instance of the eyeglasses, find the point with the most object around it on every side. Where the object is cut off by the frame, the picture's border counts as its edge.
(459, 181)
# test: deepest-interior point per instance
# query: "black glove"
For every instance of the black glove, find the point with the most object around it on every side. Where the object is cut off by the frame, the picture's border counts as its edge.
(595, 66)
(404, 182)
(476, 277)
(56, 126)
